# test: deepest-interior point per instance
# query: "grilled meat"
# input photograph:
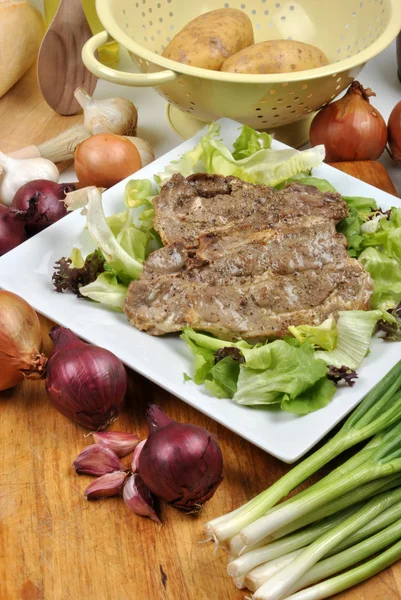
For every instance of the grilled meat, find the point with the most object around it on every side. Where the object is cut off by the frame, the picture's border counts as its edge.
(244, 260)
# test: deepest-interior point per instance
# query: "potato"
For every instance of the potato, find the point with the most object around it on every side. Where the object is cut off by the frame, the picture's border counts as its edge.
(275, 56)
(211, 38)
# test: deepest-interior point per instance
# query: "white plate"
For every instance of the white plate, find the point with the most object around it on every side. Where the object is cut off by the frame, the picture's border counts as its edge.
(27, 271)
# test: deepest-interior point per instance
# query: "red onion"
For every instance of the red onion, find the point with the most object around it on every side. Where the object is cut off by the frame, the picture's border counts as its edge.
(12, 229)
(180, 463)
(85, 383)
(394, 134)
(350, 128)
(42, 202)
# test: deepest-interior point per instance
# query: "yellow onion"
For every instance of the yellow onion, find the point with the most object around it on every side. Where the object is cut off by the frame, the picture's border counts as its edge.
(20, 342)
(350, 128)
(105, 159)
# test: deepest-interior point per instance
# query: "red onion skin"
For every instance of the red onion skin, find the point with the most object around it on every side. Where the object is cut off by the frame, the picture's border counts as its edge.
(350, 128)
(394, 134)
(12, 230)
(85, 383)
(180, 463)
(42, 201)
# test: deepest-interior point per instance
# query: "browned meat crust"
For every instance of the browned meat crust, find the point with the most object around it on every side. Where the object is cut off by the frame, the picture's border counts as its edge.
(243, 260)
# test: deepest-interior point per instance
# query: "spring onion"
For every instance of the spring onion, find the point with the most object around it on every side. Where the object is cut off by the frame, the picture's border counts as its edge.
(380, 409)
(286, 579)
(385, 460)
(346, 580)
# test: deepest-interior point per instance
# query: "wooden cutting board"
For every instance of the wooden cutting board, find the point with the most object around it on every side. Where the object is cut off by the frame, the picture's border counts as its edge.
(54, 545)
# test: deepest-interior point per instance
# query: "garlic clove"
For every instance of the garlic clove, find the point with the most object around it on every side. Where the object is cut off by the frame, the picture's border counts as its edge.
(120, 442)
(16, 172)
(144, 148)
(111, 115)
(137, 453)
(138, 498)
(106, 486)
(97, 460)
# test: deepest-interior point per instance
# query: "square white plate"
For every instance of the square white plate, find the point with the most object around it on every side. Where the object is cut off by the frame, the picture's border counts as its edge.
(27, 271)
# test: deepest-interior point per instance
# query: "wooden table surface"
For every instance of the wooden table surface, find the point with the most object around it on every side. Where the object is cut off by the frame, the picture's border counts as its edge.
(54, 545)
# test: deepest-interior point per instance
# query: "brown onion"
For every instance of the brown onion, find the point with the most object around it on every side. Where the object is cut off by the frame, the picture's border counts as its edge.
(394, 134)
(85, 383)
(350, 128)
(20, 342)
(180, 463)
(105, 159)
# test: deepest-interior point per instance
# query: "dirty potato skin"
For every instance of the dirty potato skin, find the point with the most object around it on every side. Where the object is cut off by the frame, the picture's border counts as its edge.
(275, 56)
(211, 38)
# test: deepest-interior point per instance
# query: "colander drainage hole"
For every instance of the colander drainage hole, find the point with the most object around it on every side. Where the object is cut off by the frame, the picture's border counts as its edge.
(258, 109)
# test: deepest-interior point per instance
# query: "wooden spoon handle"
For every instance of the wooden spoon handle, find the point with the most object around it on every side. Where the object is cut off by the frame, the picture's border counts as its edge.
(60, 66)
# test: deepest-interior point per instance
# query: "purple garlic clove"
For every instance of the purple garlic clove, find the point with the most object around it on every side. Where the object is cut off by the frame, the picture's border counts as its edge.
(120, 442)
(96, 460)
(138, 498)
(135, 458)
(110, 484)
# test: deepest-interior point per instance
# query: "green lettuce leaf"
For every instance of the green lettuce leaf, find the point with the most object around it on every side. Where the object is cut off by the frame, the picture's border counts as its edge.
(277, 372)
(321, 184)
(106, 289)
(354, 330)
(316, 397)
(386, 275)
(320, 336)
(360, 210)
(121, 243)
(386, 235)
(263, 166)
(221, 381)
(250, 141)
(139, 195)
(361, 205)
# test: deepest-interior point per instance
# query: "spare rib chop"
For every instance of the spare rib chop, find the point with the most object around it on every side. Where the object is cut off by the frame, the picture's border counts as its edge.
(244, 260)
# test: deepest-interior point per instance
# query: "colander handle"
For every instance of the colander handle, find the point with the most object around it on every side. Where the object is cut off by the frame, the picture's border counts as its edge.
(120, 77)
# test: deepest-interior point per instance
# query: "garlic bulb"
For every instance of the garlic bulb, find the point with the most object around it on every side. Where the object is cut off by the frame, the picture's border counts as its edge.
(113, 115)
(144, 148)
(16, 172)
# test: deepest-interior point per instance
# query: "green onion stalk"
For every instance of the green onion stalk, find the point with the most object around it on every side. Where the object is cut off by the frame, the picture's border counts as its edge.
(380, 409)
(288, 578)
(342, 582)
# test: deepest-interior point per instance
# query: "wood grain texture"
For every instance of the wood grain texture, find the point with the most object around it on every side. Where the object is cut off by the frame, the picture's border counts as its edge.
(60, 67)
(54, 545)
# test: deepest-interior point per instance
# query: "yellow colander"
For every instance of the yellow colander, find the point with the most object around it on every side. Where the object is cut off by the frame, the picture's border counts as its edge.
(349, 32)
